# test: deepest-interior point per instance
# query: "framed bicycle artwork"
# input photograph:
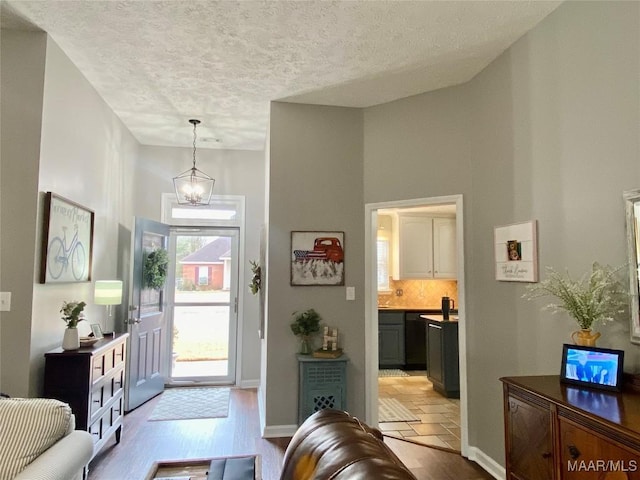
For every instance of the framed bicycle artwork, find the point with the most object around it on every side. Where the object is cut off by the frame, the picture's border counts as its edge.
(67, 241)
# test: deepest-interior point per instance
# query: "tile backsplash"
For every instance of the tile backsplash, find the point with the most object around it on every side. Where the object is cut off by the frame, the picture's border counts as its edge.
(425, 294)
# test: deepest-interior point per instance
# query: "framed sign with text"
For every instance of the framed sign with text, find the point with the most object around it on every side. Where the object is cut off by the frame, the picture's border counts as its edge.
(516, 252)
(67, 241)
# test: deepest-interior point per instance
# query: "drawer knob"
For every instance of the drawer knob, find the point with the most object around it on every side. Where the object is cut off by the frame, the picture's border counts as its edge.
(574, 453)
(546, 455)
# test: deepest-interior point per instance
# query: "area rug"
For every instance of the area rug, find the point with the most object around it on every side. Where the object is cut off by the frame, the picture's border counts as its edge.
(394, 372)
(192, 402)
(391, 410)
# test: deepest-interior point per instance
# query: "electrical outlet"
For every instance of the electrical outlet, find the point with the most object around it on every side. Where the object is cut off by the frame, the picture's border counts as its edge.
(5, 301)
(399, 292)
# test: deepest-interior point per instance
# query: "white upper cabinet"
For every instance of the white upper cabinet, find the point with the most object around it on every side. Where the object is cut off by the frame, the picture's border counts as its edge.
(445, 264)
(426, 247)
(415, 246)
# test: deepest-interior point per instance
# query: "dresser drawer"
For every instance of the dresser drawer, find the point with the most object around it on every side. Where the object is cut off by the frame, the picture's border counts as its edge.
(97, 400)
(97, 368)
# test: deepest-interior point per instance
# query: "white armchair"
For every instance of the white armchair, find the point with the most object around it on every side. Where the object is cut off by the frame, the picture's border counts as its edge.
(38, 441)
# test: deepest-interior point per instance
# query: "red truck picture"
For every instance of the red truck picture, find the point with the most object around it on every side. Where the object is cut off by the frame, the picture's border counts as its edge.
(324, 248)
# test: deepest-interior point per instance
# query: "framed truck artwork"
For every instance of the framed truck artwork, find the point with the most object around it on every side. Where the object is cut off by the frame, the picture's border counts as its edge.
(317, 258)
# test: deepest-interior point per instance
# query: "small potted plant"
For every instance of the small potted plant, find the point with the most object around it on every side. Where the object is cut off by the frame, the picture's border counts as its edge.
(304, 325)
(71, 315)
(598, 296)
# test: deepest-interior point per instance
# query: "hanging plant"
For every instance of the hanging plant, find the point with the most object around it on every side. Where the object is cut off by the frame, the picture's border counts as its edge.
(256, 281)
(155, 269)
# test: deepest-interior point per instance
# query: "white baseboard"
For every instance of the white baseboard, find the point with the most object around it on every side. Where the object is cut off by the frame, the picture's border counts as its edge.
(496, 470)
(249, 383)
(275, 431)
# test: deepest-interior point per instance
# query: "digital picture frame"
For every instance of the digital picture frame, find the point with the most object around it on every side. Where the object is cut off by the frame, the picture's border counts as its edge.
(592, 367)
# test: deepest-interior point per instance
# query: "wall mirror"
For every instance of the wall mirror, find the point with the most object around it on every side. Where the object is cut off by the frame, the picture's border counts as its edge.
(632, 206)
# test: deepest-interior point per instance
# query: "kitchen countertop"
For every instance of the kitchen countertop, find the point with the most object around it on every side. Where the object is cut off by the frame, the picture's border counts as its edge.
(439, 318)
(427, 310)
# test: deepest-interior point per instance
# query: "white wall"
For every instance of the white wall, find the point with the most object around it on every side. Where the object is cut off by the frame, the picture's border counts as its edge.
(548, 131)
(85, 156)
(237, 172)
(315, 183)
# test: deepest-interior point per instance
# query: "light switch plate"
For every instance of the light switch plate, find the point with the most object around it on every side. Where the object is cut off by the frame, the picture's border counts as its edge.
(5, 301)
(351, 293)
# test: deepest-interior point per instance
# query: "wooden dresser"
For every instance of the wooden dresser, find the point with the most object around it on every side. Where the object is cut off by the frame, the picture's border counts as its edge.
(555, 431)
(91, 381)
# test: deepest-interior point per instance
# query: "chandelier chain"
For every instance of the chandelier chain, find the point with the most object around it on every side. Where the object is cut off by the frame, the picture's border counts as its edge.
(194, 144)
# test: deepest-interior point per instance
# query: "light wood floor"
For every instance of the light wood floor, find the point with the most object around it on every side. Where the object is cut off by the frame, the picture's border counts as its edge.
(144, 442)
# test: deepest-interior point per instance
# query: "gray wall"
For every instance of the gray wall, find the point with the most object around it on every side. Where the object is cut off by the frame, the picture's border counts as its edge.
(80, 150)
(548, 131)
(315, 183)
(237, 172)
(64, 138)
(23, 56)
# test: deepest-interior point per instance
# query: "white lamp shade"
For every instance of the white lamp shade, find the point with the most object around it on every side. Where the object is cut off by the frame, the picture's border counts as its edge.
(108, 292)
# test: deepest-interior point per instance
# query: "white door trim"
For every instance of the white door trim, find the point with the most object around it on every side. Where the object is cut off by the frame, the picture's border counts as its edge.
(371, 307)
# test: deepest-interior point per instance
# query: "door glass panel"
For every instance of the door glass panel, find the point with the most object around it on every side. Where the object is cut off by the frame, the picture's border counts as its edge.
(203, 305)
(200, 341)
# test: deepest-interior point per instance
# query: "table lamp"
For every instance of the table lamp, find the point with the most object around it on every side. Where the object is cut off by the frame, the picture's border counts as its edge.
(108, 292)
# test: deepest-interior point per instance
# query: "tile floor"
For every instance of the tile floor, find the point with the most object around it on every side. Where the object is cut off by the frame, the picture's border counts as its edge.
(439, 423)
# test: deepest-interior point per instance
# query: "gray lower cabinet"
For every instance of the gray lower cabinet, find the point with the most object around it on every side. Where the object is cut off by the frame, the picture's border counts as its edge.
(391, 352)
(415, 343)
(442, 357)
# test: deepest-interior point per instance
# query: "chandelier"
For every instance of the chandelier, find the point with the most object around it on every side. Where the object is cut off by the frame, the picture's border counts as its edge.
(193, 187)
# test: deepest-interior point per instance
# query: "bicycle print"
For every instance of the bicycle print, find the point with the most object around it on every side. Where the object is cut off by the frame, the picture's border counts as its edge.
(67, 241)
(60, 253)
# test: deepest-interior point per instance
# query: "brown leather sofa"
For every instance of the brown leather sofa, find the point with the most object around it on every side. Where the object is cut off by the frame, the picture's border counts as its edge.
(332, 444)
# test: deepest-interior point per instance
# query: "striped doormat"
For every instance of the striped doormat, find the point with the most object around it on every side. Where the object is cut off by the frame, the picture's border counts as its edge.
(192, 402)
(392, 372)
(391, 410)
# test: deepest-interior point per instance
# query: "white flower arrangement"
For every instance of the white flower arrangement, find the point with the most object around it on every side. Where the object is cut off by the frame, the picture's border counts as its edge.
(598, 296)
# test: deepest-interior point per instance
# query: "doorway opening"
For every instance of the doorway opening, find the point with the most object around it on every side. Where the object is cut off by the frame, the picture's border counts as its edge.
(203, 305)
(377, 388)
(204, 302)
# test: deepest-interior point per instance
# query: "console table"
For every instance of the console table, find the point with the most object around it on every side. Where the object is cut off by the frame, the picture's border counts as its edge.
(322, 384)
(555, 431)
(91, 381)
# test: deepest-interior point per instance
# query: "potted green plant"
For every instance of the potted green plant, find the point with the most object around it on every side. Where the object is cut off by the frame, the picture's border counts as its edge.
(71, 315)
(598, 296)
(304, 325)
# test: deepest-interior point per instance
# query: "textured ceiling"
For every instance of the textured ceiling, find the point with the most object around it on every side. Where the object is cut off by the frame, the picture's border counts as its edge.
(159, 63)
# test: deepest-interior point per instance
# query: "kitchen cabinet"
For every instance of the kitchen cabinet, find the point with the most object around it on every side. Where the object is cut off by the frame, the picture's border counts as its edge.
(415, 341)
(91, 381)
(555, 431)
(445, 263)
(442, 356)
(426, 247)
(391, 353)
